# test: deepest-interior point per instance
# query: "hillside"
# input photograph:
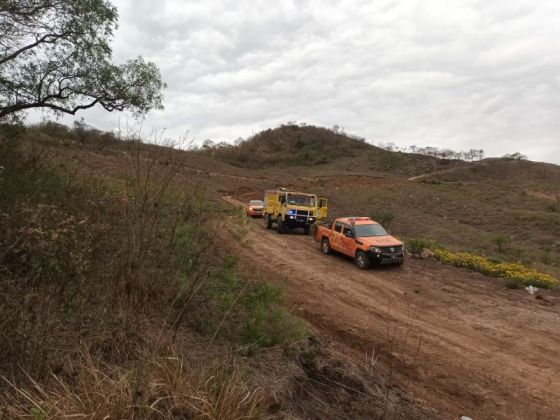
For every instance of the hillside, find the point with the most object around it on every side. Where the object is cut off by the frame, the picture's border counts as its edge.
(308, 146)
(164, 273)
(465, 205)
(120, 296)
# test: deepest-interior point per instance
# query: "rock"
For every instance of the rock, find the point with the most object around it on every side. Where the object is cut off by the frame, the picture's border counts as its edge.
(426, 253)
(531, 290)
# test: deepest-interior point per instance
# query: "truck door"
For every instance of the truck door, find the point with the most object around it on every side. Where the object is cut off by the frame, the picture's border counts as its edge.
(347, 244)
(336, 237)
(279, 202)
(322, 212)
(283, 205)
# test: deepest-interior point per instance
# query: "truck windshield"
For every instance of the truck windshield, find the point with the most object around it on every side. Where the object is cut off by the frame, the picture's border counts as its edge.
(301, 200)
(256, 203)
(369, 230)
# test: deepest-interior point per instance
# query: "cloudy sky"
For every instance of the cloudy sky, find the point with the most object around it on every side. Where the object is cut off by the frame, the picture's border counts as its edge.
(457, 73)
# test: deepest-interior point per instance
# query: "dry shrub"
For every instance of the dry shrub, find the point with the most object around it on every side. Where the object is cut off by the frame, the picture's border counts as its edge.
(156, 388)
(84, 257)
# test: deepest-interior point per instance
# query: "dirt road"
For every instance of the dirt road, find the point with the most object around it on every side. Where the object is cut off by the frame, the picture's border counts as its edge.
(458, 341)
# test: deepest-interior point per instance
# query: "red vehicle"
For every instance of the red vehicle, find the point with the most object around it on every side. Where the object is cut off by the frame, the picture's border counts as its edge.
(362, 239)
(255, 208)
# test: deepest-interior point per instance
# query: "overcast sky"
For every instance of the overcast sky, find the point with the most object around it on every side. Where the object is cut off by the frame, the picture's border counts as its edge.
(457, 73)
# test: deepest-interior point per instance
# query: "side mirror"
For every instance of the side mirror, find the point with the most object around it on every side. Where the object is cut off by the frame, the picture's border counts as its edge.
(348, 234)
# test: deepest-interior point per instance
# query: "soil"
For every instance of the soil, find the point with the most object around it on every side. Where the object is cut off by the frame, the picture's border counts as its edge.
(457, 341)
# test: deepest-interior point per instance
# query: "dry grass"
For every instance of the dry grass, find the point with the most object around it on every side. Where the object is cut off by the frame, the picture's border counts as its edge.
(158, 387)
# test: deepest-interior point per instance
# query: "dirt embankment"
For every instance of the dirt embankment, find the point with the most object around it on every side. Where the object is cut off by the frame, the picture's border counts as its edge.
(458, 341)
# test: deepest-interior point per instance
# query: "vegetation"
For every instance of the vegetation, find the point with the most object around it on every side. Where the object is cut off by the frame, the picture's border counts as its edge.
(547, 257)
(516, 274)
(416, 246)
(256, 305)
(310, 146)
(102, 279)
(470, 155)
(510, 271)
(500, 241)
(384, 217)
(288, 145)
(515, 156)
(158, 387)
(56, 54)
(121, 253)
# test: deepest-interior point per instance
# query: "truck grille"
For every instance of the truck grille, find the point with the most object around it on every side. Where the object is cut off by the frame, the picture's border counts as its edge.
(391, 249)
(302, 212)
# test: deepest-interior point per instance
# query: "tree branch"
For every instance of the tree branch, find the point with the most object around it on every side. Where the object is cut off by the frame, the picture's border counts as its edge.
(43, 39)
(20, 107)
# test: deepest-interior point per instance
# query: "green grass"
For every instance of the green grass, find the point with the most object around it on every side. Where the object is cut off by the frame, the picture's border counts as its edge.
(267, 323)
(255, 308)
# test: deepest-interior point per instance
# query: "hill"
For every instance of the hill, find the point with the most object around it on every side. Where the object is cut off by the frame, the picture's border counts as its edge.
(296, 145)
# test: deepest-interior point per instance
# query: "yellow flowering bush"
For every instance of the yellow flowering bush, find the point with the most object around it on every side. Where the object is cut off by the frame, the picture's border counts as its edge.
(510, 271)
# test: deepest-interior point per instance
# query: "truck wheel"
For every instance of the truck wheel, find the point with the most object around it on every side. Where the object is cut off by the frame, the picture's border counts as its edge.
(362, 260)
(267, 221)
(326, 246)
(306, 229)
(280, 225)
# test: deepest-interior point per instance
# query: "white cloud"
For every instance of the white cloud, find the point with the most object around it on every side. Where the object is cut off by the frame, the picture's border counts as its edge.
(456, 74)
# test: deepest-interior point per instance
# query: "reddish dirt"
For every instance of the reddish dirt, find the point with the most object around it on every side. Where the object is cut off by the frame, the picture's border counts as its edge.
(484, 351)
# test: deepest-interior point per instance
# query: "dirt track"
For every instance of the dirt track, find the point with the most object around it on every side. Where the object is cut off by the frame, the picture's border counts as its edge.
(485, 351)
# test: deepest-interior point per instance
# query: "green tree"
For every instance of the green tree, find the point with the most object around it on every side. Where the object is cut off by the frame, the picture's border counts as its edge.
(384, 217)
(55, 54)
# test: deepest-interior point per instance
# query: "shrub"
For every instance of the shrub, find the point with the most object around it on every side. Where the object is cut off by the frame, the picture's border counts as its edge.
(546, 257)
(80, 258)
(253, 309)
(500, 241)
(510, 271)
(384, 217)
(267, 323)
(416, 246)
(513, 272)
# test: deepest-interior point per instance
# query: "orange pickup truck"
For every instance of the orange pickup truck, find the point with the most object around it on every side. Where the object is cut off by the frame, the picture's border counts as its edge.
(360, 238)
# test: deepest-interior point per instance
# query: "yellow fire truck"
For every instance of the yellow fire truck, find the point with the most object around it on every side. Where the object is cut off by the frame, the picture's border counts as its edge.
(292, 209)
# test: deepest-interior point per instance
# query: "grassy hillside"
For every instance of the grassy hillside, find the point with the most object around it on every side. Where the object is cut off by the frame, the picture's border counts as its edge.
(507, 210)
(294, 145)
(119, 295)
(503, 208)
(120, 254)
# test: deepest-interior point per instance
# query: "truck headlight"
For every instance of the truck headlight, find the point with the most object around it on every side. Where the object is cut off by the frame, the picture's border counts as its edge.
(375, 249)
